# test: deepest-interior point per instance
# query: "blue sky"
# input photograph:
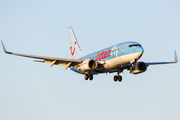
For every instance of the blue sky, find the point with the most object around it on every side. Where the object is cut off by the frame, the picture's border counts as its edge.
(30, 90)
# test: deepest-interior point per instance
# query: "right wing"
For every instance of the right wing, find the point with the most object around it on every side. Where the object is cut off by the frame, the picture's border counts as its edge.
(51, 60)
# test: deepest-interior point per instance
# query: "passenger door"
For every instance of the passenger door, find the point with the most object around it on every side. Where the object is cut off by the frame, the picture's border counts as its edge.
(122, 48)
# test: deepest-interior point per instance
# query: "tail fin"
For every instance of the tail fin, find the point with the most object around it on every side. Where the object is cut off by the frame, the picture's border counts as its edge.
(74, 46)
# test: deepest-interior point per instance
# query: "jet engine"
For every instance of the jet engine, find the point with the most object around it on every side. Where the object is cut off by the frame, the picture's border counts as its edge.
(88, 64)
(138, 68)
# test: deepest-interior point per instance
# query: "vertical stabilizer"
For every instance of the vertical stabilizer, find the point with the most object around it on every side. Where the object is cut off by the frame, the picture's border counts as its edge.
(74, 46)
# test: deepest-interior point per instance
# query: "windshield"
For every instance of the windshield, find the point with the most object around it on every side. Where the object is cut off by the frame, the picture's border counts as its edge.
(134, 45)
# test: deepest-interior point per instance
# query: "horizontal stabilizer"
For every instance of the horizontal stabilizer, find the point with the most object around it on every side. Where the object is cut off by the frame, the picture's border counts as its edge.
(38, 61)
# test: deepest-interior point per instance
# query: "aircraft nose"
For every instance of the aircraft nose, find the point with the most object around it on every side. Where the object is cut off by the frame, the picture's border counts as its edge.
(139, 49)
(142, 50)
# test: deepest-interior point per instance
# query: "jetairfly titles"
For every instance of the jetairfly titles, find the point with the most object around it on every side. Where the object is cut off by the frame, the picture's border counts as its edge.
(113, 59)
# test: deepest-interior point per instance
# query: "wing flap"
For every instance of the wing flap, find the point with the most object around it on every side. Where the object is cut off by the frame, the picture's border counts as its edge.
(62, 63)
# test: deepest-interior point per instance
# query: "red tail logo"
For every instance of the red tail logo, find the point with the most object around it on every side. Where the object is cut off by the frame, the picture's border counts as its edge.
(72, 52)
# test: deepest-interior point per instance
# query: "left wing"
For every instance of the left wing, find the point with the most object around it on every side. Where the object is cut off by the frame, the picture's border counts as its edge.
(129, 66)
(158, 63)
(51, 60)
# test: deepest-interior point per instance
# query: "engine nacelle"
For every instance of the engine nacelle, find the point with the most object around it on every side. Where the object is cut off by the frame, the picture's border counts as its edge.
(139, 68)
(88, 64)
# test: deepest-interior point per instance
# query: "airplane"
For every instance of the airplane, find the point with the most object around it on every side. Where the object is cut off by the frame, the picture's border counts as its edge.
(113, 59)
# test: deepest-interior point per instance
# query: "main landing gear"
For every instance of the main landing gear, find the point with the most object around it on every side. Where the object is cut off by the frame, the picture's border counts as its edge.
(118, 77)
(90, 76)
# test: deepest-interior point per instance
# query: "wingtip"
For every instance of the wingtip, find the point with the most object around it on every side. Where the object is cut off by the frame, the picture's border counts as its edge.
(4, 49)
(175, 56)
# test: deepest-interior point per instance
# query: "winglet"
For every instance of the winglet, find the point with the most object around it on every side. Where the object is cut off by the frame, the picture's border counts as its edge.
(175, 56)
(5, 48)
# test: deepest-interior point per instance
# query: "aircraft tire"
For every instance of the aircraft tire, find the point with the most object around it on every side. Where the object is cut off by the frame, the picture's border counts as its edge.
(91, 77)
(86, 77)
(119, 78)
(115, 78)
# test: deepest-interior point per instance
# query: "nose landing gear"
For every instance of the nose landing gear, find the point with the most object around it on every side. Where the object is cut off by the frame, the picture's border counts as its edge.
(118, 77)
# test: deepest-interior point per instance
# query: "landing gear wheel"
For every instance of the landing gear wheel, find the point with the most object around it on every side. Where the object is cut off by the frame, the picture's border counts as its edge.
(86, 77)
(119, 78)
(115, 78)
(91, 77)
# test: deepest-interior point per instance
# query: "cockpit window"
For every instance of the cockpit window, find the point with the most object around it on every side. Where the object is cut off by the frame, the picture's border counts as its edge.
(134, 45)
